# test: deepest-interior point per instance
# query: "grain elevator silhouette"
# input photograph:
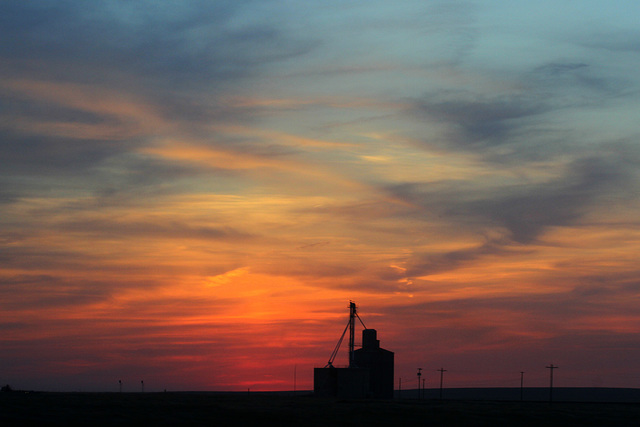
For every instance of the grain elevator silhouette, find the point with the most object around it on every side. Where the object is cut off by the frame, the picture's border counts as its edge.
(370, 370)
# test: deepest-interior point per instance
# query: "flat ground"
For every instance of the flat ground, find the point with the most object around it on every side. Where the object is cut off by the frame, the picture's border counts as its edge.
(213, 409)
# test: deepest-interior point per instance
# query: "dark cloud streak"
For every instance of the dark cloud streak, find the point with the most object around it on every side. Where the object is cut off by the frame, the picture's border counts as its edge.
(520, 123)
(192, 44)
(480, 120)
(525, 212)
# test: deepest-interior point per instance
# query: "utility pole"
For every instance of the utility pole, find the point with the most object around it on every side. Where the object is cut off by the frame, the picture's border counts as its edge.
(521, 385)
(419, 375)
(120, 385)
(141, 386)
(551, 367)
(442, 371)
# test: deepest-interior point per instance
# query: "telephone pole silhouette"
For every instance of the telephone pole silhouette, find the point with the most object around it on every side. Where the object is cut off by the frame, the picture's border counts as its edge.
(442, 371)
(551, 367)
(419, 375)
(521, 385)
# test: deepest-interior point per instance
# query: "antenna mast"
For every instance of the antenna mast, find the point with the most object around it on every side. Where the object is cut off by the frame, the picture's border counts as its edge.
(351, 326)
(352, 331)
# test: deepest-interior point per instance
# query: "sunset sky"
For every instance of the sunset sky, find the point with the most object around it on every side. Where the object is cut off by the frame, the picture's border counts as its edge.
(191, 192)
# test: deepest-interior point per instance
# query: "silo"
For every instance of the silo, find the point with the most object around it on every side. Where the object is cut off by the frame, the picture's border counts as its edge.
(379, 363)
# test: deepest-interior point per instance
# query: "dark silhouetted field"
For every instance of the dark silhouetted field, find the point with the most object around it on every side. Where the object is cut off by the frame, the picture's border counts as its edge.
(265, 409)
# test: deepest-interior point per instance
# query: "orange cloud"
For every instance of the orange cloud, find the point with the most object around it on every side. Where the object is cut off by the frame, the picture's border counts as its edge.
(129, 117)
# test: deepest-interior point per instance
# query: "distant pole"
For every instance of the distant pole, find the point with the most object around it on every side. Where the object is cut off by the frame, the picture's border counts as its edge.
(141, 386)
(442, 371)
(400, 388)
(423, 380)
(551, 367)
(521, 385)
(419, 375)
(120, 385)
(295, 368)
